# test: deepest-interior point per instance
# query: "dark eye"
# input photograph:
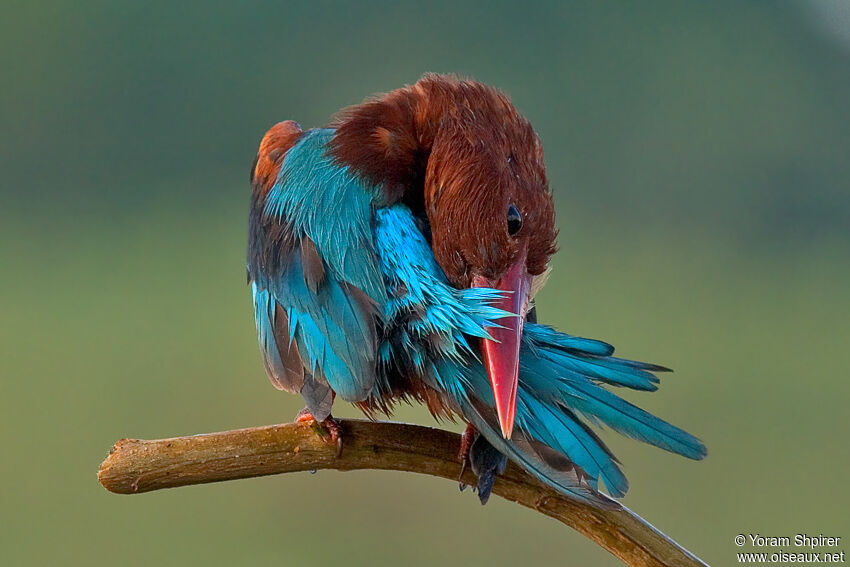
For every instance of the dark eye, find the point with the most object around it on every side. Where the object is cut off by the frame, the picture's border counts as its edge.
(514, 220)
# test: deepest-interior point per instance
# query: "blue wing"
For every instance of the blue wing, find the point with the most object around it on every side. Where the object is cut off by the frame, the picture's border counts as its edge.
(318, 291)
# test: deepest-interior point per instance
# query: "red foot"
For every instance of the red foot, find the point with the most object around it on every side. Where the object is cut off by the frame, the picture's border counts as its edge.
(466, 440)
(330, 424)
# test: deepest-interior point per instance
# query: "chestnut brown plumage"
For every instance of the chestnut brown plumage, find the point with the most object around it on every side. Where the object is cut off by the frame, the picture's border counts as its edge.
(461, 153)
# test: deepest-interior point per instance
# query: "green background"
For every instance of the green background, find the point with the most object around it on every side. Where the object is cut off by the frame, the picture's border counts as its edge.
(699, 158)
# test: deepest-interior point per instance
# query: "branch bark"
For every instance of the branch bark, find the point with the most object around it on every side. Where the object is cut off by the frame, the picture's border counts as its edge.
(135, 466)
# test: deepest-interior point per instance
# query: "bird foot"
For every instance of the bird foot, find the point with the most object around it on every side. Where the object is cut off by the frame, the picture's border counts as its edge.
(330, 425)
(466, 440)
(485, 461)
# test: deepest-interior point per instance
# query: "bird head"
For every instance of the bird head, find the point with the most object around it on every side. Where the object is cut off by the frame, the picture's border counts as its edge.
(461, 155)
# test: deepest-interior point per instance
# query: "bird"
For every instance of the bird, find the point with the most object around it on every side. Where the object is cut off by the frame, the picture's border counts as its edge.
(394, 256)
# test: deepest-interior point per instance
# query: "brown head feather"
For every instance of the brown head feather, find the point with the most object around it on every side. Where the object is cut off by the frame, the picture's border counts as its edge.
(459, 151)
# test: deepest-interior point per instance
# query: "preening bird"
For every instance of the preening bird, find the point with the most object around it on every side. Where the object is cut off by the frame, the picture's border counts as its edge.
(394, 256)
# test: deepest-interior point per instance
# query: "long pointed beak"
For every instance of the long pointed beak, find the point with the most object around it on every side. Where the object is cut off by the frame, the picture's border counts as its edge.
(501, 355)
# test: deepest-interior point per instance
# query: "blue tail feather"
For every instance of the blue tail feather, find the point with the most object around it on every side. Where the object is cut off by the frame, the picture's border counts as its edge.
(585, 357)
(560, 429)
(556, 385)
(572, 380)
(593, 401)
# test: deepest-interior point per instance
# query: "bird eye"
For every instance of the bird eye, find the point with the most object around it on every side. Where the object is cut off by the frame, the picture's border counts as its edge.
(514, 220)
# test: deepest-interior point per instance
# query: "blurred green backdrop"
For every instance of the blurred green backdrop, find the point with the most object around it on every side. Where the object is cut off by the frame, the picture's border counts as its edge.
(699, 157)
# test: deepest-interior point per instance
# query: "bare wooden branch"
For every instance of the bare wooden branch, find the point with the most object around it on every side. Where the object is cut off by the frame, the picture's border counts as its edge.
(135, 466)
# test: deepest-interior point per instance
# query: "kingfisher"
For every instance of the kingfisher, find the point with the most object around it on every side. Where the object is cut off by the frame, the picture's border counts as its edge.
(394, 256)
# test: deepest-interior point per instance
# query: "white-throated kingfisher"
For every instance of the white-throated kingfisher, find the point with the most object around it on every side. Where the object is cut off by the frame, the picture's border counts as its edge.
(394, 256)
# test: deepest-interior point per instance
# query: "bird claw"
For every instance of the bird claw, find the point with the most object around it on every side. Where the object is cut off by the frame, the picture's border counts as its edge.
(329, 425)
(335, 430)
(466, 440)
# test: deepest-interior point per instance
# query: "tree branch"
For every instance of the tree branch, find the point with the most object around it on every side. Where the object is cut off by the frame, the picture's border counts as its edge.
(142, 466)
